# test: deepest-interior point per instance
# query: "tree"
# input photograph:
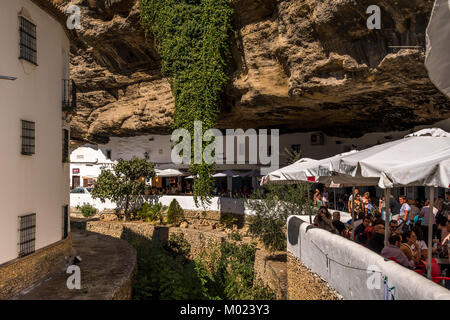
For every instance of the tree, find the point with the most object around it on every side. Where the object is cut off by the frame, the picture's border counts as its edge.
(292, 155)
(272, 207)
(175, 214)
(125, 183)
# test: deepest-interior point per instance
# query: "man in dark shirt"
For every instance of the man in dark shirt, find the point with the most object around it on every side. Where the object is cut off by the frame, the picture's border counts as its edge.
(337, 222)
(376, 242)
(394, 205)
(359, 230)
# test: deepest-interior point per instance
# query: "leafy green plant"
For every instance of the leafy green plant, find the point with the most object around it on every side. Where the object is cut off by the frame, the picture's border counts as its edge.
(151, 213)
(87, 209)
(175, 214)
(235, 235)
(224, 272)
(179, 244)
(192, 37)
(272, 208)
(228, 219)
(125, 183)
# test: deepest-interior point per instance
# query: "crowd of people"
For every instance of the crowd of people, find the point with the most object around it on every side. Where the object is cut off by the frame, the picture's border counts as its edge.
(408, 228)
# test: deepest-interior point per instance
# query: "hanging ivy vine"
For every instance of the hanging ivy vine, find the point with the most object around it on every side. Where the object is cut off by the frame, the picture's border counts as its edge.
(192, 37)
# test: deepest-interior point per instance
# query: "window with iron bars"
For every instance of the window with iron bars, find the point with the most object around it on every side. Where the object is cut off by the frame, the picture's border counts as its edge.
(69, 95)
(65, 146)
(65, 221)
(27, 43)
(27, 234)
(28, 137)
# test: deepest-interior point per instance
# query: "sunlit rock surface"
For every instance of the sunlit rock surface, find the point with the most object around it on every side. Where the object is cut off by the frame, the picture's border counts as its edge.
(299, 65)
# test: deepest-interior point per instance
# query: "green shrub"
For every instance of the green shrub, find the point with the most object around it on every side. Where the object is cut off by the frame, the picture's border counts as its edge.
(272, 208)
(222, 272)
(175, 214)
(151, 213)
(235, 235)
(178, 244)
(87, 210)
(227, 219)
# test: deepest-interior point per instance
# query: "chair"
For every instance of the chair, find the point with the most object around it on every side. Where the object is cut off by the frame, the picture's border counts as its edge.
(435, 271)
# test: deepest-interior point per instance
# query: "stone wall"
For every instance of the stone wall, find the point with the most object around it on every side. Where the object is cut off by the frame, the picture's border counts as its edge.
(133, 231)
(21, 273)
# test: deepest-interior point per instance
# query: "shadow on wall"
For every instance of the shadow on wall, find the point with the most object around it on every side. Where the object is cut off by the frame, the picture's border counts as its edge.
(159, 236)
(294, 230)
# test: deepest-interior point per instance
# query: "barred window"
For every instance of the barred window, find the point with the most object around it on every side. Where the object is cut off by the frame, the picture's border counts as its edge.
(65, 146)
(65, 221)
(27, 32)
(27, 234)
(28, 137)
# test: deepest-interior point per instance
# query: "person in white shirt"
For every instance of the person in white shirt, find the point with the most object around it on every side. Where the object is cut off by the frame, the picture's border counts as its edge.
(405, 210)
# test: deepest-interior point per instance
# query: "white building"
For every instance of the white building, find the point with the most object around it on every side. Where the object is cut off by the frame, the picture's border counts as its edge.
(34, 139)
(86, 164)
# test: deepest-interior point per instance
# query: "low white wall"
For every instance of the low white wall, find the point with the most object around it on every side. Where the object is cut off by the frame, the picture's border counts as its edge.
(344, 264)
(186, 202)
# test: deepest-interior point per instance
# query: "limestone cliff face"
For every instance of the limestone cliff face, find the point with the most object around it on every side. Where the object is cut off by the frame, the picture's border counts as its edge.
(296, 64)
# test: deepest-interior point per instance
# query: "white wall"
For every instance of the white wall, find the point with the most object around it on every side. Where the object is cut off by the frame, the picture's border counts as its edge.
(186, 202)
(344, 264)
(89, 160)
(37, 183)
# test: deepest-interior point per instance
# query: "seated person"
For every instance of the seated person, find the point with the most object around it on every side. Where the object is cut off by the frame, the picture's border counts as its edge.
(376, 242)
(323, 220)
(360, 228)
(421, 245)
(392, 250)
(340, 227)
(393, 227)
(410, 247)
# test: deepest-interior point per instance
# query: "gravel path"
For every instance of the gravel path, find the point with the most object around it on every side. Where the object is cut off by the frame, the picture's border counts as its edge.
(306, 285)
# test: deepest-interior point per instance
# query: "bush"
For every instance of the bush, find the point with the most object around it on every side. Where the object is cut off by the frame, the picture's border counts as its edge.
(227, 219)
(178, 244)
(272, 209)
(235, 235)
(175, 214)
(226, 272)
(87, 210)
(151, 213)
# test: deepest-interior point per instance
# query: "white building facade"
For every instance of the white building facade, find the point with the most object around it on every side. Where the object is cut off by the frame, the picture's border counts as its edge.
(34, 139)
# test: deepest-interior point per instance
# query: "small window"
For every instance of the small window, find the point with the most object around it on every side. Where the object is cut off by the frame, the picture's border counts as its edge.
(65, 221)
(28, 137)
(108, 154)
(65, 146)
(27, 234)
(27, 31)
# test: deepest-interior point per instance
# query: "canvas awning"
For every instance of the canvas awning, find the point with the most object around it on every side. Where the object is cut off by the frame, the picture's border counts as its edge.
(437, 60)
(169, 173)
(400, 162)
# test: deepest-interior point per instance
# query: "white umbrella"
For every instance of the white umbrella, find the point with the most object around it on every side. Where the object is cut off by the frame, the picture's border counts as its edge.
(427, 146)
(169, 173)
(227, 173)
(432, 171)
(292, 173)
(437, 59)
